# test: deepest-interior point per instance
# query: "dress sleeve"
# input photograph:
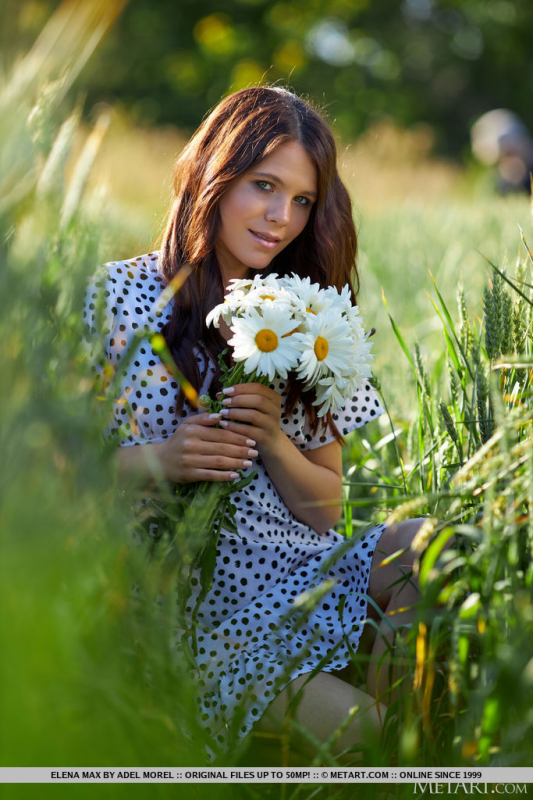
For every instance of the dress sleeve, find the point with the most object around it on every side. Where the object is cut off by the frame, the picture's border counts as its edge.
(105, 339)
(124, 308)
(99, 312)
(363, 407)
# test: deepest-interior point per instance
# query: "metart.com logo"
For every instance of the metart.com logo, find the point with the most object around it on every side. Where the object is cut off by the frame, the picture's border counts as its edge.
(470, 788)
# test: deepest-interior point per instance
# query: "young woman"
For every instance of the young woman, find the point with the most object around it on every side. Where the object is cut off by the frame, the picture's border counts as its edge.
(257, 191)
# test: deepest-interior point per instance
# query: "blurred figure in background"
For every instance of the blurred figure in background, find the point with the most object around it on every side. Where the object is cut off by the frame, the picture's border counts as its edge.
(501, 140)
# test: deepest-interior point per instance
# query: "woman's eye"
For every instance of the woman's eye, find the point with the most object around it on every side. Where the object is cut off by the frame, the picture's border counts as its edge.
(266, 186)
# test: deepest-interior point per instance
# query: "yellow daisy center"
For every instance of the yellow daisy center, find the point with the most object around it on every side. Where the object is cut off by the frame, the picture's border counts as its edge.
(310, 311)
(294, 330)
(267, 297)
(266, 340)
(321, 348)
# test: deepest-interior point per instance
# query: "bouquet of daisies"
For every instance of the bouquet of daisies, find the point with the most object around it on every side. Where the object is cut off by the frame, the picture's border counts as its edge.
(279, 325)
(289, 324)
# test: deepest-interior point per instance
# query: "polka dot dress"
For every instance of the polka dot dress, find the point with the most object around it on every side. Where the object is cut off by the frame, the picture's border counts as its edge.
(285, 600)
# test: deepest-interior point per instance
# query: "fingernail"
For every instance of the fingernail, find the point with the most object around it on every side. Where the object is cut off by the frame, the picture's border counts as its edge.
(253, 453)
(227, 402)
(214, 416)
(223, 411)
(229, 390)
(234, 475)
(250, 442)
(224, 423)
(219, 395)
(247, 463)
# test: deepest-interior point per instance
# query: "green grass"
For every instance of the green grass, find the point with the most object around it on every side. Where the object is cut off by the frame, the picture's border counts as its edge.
(401, 246)
(89, 676)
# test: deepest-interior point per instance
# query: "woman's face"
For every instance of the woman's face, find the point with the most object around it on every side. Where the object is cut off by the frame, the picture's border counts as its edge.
(264, 210)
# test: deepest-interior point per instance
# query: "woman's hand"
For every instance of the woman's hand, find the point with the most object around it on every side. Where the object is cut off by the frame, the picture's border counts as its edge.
(259, 407)
(198, 451)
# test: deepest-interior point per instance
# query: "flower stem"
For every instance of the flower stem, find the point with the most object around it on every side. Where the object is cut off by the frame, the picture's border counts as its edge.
(235, 375)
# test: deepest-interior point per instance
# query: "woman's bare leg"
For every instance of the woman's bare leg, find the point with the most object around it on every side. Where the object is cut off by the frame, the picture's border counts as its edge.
(324, 706)
(395, 590)
(326, 699)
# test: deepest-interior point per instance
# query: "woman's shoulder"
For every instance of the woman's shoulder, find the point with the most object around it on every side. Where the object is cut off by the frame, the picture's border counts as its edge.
(141, 272)
(129, 294)
(130, 290)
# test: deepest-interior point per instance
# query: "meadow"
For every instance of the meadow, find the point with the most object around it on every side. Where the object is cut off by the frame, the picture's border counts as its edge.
(89, 677)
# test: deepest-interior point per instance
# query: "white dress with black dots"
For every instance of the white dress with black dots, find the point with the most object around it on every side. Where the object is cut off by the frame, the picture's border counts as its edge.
(285, 600)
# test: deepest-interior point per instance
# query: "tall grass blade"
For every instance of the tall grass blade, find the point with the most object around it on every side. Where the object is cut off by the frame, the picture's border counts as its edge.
(398, 335)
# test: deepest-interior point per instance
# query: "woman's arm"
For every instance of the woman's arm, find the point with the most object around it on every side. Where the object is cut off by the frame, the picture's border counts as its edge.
(301, 478)
(311, 476)
(139, 464)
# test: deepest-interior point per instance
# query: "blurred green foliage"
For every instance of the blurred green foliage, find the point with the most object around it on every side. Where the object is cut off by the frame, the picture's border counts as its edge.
(440, 61)
(85, 662)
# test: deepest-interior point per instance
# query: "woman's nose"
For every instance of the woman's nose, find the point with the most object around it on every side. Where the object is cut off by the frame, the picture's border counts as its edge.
(279, 210)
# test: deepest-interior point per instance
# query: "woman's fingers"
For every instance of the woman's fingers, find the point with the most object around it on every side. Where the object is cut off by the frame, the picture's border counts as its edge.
(224, 457)
(206, 431)
(205, 418)
(251, 416)
(199, 451)
(259, 413)
(221, 462)
(253, 408)
(239, 428)
(214, 446)
(264, 429)
(229, 450)
(253, 403)
(213, 475)
(252, 395)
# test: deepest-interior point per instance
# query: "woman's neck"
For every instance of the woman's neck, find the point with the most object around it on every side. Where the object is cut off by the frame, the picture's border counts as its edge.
(225, 330)
(230, 268)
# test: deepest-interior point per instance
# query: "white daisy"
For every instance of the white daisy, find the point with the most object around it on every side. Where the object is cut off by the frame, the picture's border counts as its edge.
(360, 357)
(331, 394)
(266, 296)
(334, 389)
(263, 341)
(313, 297)
(239, 284)
(361, 373)
(243, 293)
(326, 347)
(361, 360)
(341, 300)
(248, 284)
(356, 321)
(226, 310)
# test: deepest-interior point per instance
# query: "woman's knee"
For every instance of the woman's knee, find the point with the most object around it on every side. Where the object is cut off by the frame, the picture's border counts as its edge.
(395, 557)
(323, 705)
(394, 560)
(399, 536)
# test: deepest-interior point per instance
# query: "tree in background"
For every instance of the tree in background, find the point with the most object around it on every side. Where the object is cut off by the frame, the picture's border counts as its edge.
(439, 61)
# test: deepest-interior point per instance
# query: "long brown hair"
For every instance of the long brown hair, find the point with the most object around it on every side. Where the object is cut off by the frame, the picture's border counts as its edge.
(242, 130)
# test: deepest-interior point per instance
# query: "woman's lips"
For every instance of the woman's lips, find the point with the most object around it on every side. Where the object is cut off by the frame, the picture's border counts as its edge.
(269, 243)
